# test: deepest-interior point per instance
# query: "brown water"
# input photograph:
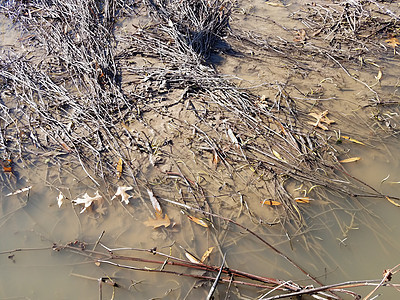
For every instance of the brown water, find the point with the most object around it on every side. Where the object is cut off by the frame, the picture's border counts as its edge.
(348, 239)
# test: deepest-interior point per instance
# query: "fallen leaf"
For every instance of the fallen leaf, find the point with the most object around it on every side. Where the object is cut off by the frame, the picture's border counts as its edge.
(206, 254)
(215, 159)
(233, 137)
(302, 200)
(87, 200)
(277, 155)
(271, 202)
(19, 191)
(391, 201)
(393, 42)
(321, 118)
(198, 221)
(301, 36)
(121, 191)
(352, 140)
(119, 168)
(379, 76)
(154, 202)
(6, 164)
(158, 221)
(60, 199)
(349, 160)
(192, 258)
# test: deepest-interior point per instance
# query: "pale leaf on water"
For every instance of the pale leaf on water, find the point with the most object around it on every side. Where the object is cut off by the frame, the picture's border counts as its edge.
(121, 191)
(87, 201)
(192, 258)
(154, 201)
(60, 199)
(349, 160)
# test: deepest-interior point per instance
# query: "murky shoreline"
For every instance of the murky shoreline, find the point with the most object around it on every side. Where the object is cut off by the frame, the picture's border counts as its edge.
(347, 239)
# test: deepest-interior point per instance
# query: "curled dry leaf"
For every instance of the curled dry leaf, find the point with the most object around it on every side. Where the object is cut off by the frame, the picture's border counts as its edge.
(154, 202)
(352, 140)
(270, 202)
(198, 221)
(192, 258)
(206, 254)
(60, 199)
(87, 201)
(121, 191)
(302, 200)
(349, 160)
(119, 168)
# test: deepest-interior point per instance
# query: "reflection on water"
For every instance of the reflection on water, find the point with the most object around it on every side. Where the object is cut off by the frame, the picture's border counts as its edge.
(347, 239)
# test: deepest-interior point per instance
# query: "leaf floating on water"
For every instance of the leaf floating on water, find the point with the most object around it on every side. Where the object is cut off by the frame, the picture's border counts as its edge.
(349, 160)
(192, 258)
(198, 221)
(271, 202)
(119, 168)
(154, 202)
(87, 200)
(158, 221)
(391, 201)
(19, 191)
(121, 191)
(60, 199)
(302, 200)
(206, 254)
(352, 140)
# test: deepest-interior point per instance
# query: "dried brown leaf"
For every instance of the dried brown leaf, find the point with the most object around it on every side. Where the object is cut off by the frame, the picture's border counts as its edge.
(158, 221)
(87, 201)
(121, 191)
(206, 254)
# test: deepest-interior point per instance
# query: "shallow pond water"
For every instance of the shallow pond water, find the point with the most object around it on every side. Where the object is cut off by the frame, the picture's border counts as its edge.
(347, 239)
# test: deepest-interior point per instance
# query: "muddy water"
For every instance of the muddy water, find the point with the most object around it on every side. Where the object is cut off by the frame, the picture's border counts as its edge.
(347, 239)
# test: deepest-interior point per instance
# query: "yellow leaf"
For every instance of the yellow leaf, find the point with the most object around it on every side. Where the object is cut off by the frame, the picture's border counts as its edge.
(349, 160)
(391, 201)
(197, 220)
(393, 42)
(379, 76)
(352, 140)
(271, 202)
(158, 221)
(206, 254)
(277, 155)
(303, 200)
(119, 168)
